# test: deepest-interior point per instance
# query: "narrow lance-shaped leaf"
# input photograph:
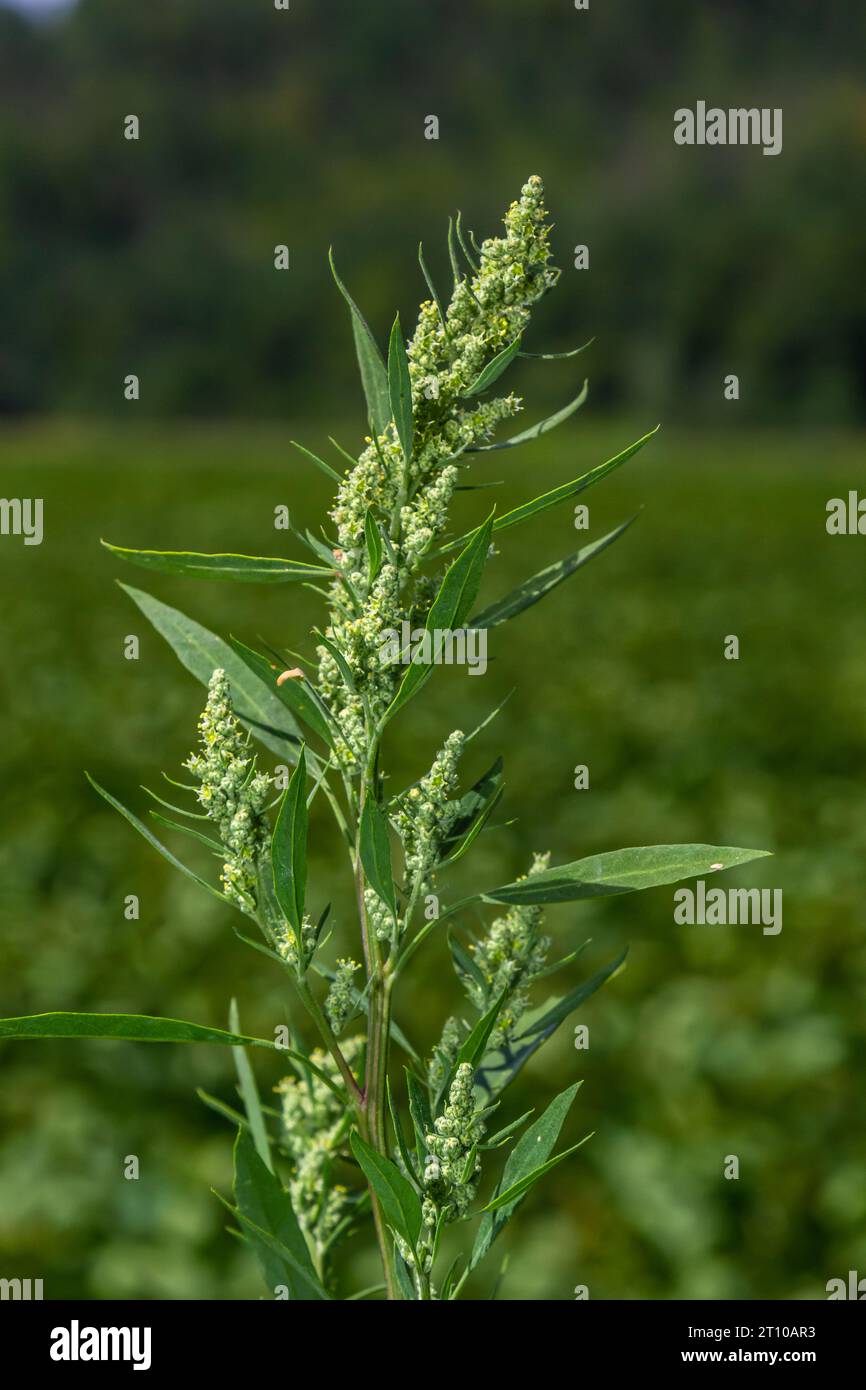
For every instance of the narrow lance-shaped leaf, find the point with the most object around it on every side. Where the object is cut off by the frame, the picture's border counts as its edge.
(242, 569)
(450, 609)
(400, 390)
(622, 871)
(400, 1203)
(264, 1210)
(376, 852)
(289, 848)
(153, 841)
(432, 288)
(506, 1200)
(534, 1148)
(250, 1093)
(500, 1065)
(121, 1028)
(295, 693)
(373, 538)
(494, 369)
(558, 356)
(201, 652)
(374, 377)
(534, 589)
(561, 493)
(535, 431)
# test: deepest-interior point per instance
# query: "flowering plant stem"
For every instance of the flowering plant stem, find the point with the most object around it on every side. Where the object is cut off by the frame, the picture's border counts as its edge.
(358, 1145)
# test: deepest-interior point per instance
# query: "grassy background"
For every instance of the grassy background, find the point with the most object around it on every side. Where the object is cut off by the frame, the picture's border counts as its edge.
(714, 1041)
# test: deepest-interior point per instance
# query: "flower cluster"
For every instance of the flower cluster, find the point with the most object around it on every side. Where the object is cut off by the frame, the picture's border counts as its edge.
(510, 957)
(452, 1164)
(293, 952)
(233, 794)
(315, 1124)
(427, 812)
(488, 311)
(340, 1003)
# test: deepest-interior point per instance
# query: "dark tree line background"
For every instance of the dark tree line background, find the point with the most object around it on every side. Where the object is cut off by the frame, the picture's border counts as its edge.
(304, 127)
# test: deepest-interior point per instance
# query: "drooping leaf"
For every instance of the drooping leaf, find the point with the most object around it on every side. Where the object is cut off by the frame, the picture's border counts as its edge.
(289, 848)
(250, 1093)
(265, 1211)
(534, 589)
(450, 609)
(550, 422)
(297, 694)
(375, 847)
(153, 841)
(400, 390)
(534, 1148)
(201, 652)
(622, 871)
(374, 377)
(400, 1203)
(121, 1028)
(242, 569)
(494, 369)
(500, 1065)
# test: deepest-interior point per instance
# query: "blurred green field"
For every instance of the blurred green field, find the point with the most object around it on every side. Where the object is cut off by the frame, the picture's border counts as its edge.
(714, 1041)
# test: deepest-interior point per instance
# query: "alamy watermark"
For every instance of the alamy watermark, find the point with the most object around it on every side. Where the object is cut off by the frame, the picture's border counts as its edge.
(716, 907)
(22, 516)
(738, 125)
(438, 646)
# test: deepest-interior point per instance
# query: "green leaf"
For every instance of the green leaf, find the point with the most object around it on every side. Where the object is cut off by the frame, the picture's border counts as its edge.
(398, 1134)
(473, 812)
(561, 493)
(250, 1093)
(532, 1149)
(243, 569)
(500, 1066)
(432, 288)
(374, 378)
(320, 463)
(534, 589)
(201, 652)
(451, 607)
(265, 1210)
(474, 1046)
(153, 841)
(400, 1203)
(297, 694)
(375, 847)
(289, 848)
(400, 390)
(622, 871)
(558, 356)
(494, 369)
(550, 422)
(419, 1109)
(373, 537)
(513, 1194)
(121, 1028)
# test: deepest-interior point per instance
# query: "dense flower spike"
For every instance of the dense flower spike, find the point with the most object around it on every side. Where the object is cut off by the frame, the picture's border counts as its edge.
(340, 1003)
(487, 313)
(426, 813)
(510, 957)
(452, 1165)
(233, 794)
(315, 1126)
